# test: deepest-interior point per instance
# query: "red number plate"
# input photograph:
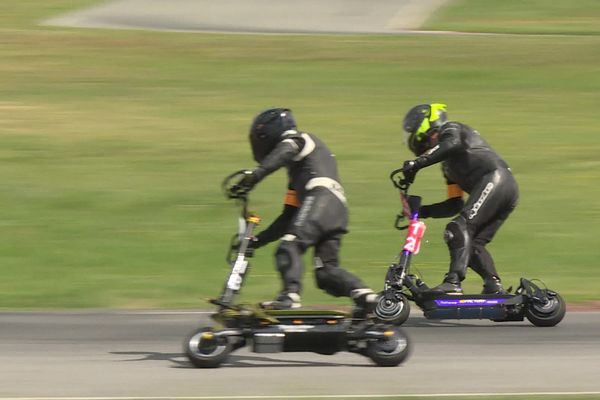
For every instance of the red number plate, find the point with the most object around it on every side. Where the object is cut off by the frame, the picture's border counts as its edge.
(416, 230)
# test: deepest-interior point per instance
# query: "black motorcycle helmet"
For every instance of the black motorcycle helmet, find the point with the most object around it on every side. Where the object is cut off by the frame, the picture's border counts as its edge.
(267, 128)
(420, 123)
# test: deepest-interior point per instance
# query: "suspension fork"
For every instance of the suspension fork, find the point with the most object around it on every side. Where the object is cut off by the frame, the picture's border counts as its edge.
(397, 276)
(240, 265)
(397, 271)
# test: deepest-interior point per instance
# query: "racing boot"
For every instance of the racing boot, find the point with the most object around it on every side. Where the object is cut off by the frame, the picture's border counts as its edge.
(285, 301)
(493, 286)
(450, 285)
(365, 301)
(458, 265)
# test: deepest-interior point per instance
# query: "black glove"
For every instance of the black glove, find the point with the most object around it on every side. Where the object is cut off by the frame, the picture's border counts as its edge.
(409, 170)
(252, 246)
(245, 185)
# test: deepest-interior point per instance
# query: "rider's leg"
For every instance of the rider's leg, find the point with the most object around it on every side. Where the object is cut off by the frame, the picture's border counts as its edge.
(458, 239)
(501, 201)
(329, 276)
(337, 281)
(481, 260)
(326, 226)
(493, 198)
(304, 231)
(288, 259)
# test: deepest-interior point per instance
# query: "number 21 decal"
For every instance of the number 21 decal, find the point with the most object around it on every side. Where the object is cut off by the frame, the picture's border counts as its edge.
(416, 230)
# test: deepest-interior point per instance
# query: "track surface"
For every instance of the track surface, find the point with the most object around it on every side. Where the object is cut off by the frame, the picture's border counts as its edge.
(112, 354)
(257, 16)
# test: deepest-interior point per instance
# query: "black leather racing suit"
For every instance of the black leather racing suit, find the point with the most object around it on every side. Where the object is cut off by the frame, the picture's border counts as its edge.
(469, 162)
(315, 214)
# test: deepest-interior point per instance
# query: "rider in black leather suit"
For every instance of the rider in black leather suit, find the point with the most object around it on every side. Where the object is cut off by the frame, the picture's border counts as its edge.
(315, 212)
(469, 164)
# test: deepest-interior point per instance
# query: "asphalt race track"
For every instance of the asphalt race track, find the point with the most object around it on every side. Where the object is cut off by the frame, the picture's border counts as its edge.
(138, 354)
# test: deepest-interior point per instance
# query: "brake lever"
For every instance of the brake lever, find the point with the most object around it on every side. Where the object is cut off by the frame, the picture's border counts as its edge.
(400, 182)
(400, 218)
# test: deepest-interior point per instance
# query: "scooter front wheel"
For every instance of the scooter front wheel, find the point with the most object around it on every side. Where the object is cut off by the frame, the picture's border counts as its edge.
(205, 349)
(389, 350)
(548, 313)
(394, 311)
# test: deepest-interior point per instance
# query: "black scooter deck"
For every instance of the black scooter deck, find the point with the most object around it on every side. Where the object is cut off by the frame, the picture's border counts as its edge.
(506, 307)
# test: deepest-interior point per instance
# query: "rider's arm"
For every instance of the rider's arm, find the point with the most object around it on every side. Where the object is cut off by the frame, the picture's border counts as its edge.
(448, 143)
(447, 208)
(282, 154)
(281, 224)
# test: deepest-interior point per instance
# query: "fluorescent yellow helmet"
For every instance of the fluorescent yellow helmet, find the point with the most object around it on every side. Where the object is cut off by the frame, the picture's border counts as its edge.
(421, 122)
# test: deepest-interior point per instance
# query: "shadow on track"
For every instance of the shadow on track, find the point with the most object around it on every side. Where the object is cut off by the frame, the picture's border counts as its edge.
(422, 322)
(178, 360)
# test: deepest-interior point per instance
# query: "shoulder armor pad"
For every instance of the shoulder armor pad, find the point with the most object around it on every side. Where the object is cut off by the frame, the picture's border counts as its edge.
(449, 126)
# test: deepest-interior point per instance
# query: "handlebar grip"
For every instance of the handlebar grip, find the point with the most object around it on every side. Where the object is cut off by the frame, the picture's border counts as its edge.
(233, 190)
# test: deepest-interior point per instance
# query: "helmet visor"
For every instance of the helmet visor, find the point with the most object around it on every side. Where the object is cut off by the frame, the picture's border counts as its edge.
(418, 134)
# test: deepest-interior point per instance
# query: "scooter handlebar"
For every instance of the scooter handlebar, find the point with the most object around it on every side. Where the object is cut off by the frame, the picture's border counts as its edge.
(410, 204)
(231, 186)
(400, 181)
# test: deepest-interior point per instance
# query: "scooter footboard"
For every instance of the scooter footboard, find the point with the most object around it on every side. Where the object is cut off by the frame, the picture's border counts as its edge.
(324, 340)
(496, 308)
(299, 338)
(302, 331)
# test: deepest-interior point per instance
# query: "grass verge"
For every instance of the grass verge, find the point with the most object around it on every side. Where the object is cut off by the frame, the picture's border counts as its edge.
(113, 145)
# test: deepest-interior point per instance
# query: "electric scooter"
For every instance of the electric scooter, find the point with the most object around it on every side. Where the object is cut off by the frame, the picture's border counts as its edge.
(541, 306)
(272, 331)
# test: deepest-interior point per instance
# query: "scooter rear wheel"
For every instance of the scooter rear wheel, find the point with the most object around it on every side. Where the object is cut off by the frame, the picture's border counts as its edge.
(390, 350)
(546, 314)
(204, 349)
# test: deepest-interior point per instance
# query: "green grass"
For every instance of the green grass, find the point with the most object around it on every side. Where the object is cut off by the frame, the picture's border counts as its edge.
(578, 17)
(113, 145)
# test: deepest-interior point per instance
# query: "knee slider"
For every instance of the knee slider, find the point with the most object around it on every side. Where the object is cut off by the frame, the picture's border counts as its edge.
(287, 252)
(456, 235)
